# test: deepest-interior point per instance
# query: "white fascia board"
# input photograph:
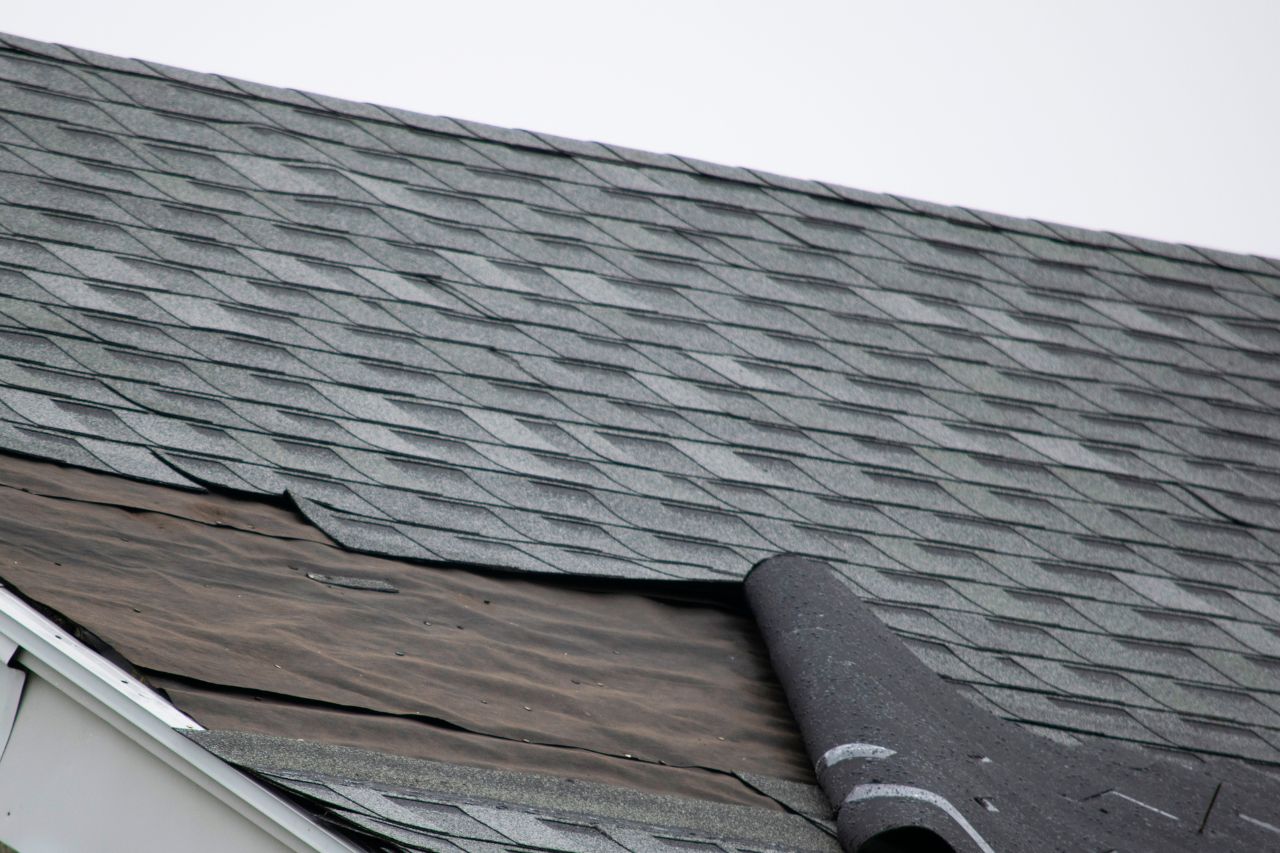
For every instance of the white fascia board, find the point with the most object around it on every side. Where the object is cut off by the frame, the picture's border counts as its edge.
(38, 645)
(35, 635)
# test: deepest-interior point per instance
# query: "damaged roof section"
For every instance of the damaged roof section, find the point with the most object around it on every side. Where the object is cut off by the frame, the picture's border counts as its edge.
(212, 600)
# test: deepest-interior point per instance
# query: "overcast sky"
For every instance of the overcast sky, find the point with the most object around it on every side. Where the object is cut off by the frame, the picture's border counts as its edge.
(1153, 118)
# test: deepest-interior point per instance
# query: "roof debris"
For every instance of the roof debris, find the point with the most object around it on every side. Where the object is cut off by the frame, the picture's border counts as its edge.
(369, 584)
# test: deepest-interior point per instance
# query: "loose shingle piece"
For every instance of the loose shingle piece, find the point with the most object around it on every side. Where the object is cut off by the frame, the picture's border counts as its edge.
(1048, 458)
(366, 584)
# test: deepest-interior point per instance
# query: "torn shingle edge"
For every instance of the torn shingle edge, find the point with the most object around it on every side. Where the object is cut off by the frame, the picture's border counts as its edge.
(905, 759)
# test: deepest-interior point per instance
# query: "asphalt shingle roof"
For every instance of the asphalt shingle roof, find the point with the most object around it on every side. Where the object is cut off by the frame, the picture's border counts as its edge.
(1047, 457)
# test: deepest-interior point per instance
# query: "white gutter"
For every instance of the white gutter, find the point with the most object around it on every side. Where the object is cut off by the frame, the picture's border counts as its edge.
(32, 642)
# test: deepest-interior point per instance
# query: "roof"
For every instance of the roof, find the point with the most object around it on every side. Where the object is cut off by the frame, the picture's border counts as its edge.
(1045, 457)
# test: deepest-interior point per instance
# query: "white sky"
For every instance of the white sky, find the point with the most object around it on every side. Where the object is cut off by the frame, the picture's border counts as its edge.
(1153, 118)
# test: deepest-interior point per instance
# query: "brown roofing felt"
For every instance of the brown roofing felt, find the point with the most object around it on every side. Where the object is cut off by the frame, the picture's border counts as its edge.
(250, 621)
(1044, 457)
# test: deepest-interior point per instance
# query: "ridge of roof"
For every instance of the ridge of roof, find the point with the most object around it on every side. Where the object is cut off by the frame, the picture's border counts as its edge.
(534, 141)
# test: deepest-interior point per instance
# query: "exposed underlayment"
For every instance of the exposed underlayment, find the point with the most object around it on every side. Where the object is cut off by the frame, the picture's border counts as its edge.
(1047, 458)
(895, 748)
(210, 599)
